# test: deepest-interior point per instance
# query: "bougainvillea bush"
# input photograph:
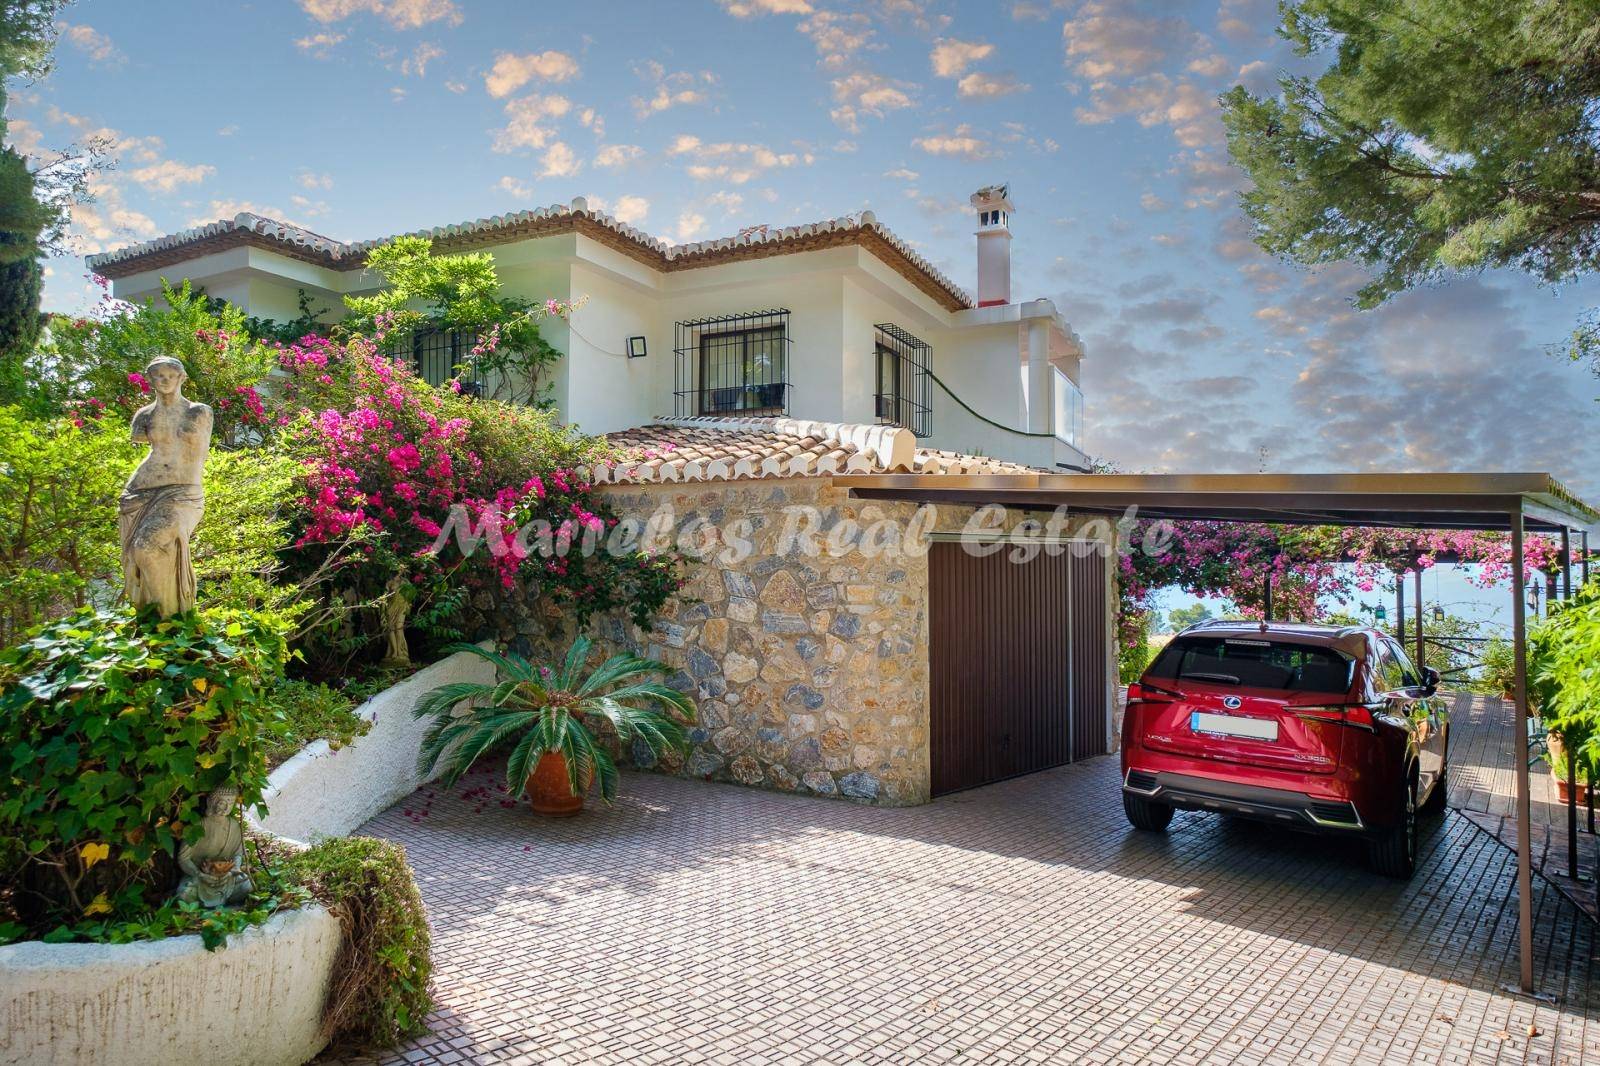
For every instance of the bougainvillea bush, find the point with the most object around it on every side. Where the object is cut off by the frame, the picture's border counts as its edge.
(403, 480)
(1232, 560)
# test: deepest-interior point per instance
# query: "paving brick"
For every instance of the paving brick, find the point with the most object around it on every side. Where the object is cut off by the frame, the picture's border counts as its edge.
(1024, 922)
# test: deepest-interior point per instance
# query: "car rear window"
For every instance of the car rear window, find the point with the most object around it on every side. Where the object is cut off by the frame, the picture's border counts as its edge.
(1254, 664)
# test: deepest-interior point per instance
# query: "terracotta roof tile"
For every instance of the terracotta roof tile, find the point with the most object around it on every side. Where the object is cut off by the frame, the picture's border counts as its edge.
(754, 242)
(726, 449)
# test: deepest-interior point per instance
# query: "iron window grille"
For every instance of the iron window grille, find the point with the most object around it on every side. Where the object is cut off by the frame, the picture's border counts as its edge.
(735, 364)
(902, 370)
(439, 355)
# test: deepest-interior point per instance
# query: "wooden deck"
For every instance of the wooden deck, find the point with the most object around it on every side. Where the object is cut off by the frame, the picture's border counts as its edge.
(1483, 764)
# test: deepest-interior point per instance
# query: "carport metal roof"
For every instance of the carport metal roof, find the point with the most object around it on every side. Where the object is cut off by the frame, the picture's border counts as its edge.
(1513, 503)
(1424, 501)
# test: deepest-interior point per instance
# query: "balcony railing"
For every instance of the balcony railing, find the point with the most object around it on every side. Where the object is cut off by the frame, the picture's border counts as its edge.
(902, 398)
(733, 364)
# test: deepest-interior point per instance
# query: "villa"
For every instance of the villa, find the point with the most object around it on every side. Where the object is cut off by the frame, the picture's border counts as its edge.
(839, 321)
(749, 376)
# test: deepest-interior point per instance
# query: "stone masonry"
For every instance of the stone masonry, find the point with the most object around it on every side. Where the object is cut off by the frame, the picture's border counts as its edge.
(810, 669)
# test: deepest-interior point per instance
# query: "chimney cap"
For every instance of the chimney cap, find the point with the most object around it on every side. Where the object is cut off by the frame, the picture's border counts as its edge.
(994, 197)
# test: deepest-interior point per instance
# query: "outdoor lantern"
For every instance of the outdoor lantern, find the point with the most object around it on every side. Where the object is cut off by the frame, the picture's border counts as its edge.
(1438, 613)
(1380, 614)
(636, 348)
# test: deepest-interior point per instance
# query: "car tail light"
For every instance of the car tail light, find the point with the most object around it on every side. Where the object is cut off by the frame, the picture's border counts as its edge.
(1140, 692)
(1355, 715)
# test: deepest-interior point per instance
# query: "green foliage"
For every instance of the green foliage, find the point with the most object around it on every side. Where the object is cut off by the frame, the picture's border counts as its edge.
(379, 993)
(58, 515)
(1498, 673)
(1564, 671)
(59, 485)
(113, 727)
(567, 709)
(311, 712)
(1133, 648)
(461, 293)
(250, 511)
(307, 323)
(99, 361)
(1443, 137)
(1181, 618)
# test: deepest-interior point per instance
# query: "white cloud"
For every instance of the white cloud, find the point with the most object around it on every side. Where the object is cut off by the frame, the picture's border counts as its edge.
(747, 8)
(1151, 202)
(416, 64)
(951, 58)
(689, 224)
(319, 45)
(401, 14)
(514, 187)
(961, 142)
(309, 179)
(730, 202)
(980, 86)
(630, 209)
(617, 155)
(863, 93)
(91, 42)
(559, 161)
(1105, 40)
(526, 122)
(669, 90)
(168, 174)
(902, 173)
(730, 161)
(1214, 65)
(455, 86)
(511, 72)
(838, 38)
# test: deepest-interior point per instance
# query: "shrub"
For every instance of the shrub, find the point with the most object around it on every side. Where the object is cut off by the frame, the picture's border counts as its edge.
(379, 993)
(99, 360)
(113, 727)
(59, 485)
(311, 712)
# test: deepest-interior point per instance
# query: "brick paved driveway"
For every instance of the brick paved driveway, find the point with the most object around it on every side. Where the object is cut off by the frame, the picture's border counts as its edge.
(1023, 922)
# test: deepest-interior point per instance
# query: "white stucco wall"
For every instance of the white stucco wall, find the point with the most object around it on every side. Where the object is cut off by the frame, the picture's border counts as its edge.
(835, 296)
(257, 1001)
(326, 793)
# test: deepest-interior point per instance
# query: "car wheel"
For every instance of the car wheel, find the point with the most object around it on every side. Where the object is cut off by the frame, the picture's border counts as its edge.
(1394, 851)
(1144, 814)
(1436, 798)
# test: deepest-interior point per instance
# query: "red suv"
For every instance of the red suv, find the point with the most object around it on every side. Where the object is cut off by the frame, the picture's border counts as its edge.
(1322, 728)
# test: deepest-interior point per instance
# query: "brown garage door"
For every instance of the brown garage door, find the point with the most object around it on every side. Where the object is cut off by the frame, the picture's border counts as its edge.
(1017, 663)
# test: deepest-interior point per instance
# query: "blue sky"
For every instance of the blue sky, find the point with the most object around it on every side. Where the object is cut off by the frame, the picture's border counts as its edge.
(694, 118)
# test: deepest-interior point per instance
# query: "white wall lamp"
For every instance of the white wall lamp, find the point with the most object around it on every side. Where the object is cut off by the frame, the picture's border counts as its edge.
(636, 348)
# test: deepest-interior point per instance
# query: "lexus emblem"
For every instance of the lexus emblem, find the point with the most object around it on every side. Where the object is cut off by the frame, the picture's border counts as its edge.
(1233, 703)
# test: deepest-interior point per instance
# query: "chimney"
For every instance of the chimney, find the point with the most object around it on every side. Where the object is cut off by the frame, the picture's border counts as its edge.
(993, 204)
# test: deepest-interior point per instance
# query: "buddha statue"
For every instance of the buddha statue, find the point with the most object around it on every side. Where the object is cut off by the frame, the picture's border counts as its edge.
(213, 866)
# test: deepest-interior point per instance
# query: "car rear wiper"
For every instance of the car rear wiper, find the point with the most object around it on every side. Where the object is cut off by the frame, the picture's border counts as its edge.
(1226, 679)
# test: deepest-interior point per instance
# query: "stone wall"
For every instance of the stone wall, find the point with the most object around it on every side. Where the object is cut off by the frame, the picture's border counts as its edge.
(810, 670)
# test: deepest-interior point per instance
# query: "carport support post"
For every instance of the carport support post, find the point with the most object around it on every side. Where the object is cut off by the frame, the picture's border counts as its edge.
(1422, 652)
(1400, 604)
(1266, 607)
(1519, 637)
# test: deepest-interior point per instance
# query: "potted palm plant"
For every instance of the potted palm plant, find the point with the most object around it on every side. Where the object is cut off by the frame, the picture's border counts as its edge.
(557, 718)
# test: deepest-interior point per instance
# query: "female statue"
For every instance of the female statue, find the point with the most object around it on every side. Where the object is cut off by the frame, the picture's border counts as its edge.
(163, 500)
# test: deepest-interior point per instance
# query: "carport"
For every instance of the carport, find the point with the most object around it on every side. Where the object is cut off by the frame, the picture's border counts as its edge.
(1515, 503)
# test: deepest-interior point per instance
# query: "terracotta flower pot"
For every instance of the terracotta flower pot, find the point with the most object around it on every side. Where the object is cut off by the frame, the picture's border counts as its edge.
(550, 788)
(1562, 788)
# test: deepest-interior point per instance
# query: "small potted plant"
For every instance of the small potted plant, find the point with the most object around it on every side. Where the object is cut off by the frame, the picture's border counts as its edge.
(1556, 756)
(556, 717)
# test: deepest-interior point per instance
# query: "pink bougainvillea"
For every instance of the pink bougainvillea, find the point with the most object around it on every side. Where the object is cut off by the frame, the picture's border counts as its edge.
(1232, 560)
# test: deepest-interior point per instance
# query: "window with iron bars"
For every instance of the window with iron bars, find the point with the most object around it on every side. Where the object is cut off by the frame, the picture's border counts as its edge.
(902, 375)
(733, 365)
(439, 355)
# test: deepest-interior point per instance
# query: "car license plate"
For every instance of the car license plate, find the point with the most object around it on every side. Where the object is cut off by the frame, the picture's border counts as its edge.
(1233, 726)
